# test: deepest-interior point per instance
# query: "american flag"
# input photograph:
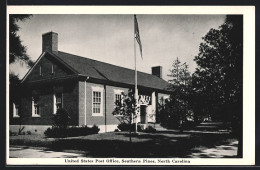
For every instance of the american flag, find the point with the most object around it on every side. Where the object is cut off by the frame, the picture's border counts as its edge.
(137, 35)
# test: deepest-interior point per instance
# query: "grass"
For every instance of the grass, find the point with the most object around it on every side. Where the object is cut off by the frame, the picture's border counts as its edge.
(165, 144)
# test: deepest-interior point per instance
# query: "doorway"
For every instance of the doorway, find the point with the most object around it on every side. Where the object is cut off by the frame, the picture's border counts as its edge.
(143, 114)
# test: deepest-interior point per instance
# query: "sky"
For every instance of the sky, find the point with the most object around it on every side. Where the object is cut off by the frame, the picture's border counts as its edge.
(110, 38)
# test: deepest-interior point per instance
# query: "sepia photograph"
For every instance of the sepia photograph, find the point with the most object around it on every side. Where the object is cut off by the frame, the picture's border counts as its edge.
(127, 88)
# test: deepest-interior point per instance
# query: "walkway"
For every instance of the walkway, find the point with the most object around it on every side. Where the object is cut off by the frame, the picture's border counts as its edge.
(26, 152)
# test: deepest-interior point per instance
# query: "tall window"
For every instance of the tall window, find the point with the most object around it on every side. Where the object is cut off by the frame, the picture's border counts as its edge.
(35, 106)
(57, 102)
(97, 102)
(52, 69)
(15, 110)
(40, 70)
(118, 96)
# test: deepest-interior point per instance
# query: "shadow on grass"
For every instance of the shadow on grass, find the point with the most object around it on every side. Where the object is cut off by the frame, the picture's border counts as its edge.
(154, 145)
(163, 144)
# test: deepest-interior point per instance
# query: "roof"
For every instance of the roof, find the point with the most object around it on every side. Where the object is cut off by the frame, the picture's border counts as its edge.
(105, 71)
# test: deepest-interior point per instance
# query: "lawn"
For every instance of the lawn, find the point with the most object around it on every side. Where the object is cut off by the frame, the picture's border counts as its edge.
(163, 144)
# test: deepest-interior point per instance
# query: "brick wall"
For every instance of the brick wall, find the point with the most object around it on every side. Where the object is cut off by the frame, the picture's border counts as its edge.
(85, 111)
(46, 63)
(110, 100)
(50, 41)
(70, 103)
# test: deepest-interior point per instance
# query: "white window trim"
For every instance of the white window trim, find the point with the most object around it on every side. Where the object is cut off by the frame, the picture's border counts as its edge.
(40, 70)
(117, 91)
(14, 111)
(54, 102)
(98, 89)
(33, 111)
(52, 69)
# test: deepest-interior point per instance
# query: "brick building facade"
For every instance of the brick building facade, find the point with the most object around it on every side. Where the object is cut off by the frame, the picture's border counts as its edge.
(86, 88)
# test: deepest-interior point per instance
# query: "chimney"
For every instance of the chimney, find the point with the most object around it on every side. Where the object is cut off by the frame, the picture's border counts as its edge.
(50, 41)
(157, 71)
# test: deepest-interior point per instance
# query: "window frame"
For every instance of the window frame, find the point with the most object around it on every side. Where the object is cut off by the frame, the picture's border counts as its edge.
(117, 92)
(40, 70)
(37, 98)
(52, 69)
(16, 110)
(101, 90)
(55, 102)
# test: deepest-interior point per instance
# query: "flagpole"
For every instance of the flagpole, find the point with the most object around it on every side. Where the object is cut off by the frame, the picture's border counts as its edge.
(136, 92)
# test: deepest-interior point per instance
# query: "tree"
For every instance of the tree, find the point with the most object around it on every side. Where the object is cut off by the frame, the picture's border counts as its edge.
(17, 51)
(126, 109)
(217, 82)
(176, 109)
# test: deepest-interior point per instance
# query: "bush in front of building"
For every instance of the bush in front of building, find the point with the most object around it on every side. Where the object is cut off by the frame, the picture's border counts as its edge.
(61, 118)
(150, 129)
(82, 131)
(55, 132)
(126, 127)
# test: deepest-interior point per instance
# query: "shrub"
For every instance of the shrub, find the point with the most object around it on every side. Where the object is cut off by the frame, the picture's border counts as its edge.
(150, 129)
(20, 130)
(55, 132)
(73, 131)
(61, 118)
(126, 127)
(12, 133)
(189, 125)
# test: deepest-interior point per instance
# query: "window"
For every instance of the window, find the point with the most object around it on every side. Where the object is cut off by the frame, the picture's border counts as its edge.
(52, 69)
(40, 70)
(118, 96)
(35, 106)
(16, 110)
(57, 102)
(97, 103)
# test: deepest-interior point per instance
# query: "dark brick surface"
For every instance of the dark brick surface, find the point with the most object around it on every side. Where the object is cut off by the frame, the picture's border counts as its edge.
(46, 67)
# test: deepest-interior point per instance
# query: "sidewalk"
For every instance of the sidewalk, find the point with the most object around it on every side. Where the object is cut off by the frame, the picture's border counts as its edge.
(220, 151)
(26, 152)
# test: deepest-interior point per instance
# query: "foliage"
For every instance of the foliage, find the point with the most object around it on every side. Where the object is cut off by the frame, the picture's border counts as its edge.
(125, 109)
(149, 129)
(217, 82)
(126, 127)
(61, 118)
(20, 131)
(17, 51)
(12, 133)
(56, 132)
(13, 88)
(175, 110)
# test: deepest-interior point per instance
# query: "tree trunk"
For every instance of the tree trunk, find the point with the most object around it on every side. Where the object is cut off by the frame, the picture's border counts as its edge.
(239, 149)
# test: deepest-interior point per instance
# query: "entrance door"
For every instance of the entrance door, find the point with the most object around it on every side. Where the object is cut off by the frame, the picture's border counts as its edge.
(143, 109)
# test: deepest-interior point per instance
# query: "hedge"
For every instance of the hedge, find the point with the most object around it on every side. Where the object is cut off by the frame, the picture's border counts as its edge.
(55, 132)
